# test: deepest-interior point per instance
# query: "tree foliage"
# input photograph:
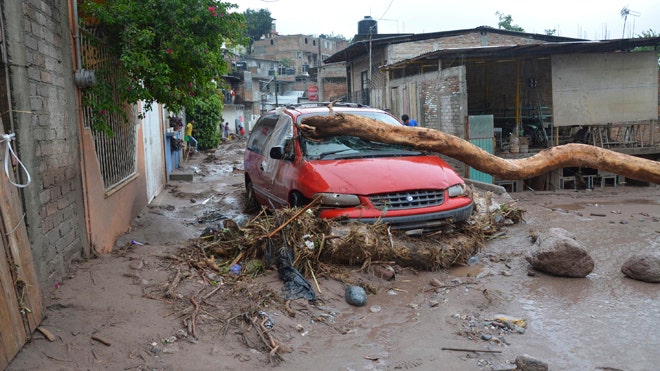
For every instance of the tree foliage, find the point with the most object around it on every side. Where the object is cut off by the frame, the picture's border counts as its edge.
(169, 51)
(505, 22)
(207, 115)
(258, 23)
(649, 34)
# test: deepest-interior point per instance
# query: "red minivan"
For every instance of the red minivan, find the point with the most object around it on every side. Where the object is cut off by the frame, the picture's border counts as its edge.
(353, 178)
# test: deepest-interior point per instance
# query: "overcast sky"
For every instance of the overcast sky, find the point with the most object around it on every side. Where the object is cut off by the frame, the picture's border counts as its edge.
(587, 19)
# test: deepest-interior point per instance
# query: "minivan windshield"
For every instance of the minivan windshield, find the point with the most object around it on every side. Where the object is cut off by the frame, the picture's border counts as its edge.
(345, 146)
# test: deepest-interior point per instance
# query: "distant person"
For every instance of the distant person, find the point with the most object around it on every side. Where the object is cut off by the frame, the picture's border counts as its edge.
(189, 137)
(408, 121)
(226, 130)
(242, 131)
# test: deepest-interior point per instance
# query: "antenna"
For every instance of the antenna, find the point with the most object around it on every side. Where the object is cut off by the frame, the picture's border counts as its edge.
(625, 12)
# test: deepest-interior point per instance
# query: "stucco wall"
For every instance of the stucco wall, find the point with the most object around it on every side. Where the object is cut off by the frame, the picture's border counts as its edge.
(42, 88)
(599, 88)
(111, 214)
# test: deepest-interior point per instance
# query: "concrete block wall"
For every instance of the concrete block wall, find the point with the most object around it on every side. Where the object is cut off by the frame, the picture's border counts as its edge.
(48, 135)
(444, 105)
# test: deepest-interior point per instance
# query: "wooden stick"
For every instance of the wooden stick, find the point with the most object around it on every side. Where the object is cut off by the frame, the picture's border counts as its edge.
(49, 335)
(313, 276)
(472, 350)
(100, 340)
(174, 284)
(192, 317)
(309, 205)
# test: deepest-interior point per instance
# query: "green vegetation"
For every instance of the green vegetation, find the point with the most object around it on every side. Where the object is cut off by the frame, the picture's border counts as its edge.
(207, 116)
(505, 22)
(167, 51)
(258, 23)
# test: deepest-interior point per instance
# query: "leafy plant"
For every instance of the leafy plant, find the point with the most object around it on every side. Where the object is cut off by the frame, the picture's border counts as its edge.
(505, 22)
(207, 116)
(168, 51)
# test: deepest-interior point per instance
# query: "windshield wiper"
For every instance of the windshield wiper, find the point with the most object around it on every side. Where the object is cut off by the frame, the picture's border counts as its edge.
(325, 154)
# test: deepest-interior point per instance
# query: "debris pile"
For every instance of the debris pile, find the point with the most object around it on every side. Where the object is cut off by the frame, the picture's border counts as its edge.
(220, 264)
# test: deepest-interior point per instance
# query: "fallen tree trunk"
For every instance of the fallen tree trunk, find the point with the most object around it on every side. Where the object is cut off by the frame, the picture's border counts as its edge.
(568, 155)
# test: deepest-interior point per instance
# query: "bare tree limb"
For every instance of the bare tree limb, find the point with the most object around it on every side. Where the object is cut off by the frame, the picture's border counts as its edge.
(568, 155)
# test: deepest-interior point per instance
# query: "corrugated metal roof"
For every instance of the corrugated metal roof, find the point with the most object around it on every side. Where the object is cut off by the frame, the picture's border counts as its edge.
(360, 44)
(533, 50)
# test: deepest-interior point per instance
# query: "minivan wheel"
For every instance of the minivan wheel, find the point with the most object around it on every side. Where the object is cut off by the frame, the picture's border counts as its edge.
(296, 199)
(251, 204)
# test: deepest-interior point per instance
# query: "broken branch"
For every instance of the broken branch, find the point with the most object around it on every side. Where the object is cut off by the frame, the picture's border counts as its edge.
(567, 155)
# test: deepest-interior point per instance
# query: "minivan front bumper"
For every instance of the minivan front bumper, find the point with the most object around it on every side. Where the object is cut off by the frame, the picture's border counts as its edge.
(423, 221)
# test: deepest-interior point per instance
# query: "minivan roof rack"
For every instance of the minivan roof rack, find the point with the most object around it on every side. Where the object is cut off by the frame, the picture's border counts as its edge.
(325, 104)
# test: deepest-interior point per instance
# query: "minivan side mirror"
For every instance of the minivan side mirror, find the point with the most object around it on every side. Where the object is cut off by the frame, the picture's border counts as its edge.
(277, 152)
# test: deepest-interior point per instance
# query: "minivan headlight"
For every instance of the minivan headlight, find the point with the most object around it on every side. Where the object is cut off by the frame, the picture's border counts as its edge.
(338, 199)
(457, 190)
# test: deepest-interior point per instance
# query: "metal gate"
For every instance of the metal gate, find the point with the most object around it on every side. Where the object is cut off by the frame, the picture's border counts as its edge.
(481, 133)
(153, 135)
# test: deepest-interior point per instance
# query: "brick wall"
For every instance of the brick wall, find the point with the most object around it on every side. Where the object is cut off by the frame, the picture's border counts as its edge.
(49, 139)
(444, 105)
(297, 49)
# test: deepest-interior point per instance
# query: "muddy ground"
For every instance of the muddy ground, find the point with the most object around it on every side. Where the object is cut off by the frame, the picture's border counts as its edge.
(123, 311)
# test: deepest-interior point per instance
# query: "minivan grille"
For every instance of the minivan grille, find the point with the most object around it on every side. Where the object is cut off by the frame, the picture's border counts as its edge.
(408, 200)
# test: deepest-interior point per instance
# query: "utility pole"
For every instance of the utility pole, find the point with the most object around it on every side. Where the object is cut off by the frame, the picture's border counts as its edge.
(319, 75)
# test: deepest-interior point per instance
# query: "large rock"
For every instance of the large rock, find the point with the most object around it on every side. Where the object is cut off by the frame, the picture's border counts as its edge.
(527, 363)
(559, 254)
(644, 266)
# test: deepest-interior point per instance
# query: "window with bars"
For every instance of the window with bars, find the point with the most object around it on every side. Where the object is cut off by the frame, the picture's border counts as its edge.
(116, 153)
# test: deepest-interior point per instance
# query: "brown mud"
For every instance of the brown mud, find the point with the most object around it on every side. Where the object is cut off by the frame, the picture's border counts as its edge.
(123, 311)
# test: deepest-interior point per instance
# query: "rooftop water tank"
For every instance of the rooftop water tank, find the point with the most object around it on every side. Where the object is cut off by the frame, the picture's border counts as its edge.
(367, 26)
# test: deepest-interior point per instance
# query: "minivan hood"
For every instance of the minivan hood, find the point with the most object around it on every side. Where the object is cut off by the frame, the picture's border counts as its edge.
(382, 175)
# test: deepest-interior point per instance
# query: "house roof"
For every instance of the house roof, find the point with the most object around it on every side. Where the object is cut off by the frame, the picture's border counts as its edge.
(534, 49)
(360, 44)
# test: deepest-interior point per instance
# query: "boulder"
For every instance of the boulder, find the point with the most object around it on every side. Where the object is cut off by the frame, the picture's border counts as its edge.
(558, 253)
(644, 266)
(527, 363)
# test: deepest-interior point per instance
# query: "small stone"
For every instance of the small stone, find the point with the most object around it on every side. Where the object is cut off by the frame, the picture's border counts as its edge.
(375, 308)
(136, 264)
(486, 337)
(435, 282)
(356, 295)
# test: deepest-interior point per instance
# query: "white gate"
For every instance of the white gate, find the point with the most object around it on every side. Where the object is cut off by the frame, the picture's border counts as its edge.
(154, 153)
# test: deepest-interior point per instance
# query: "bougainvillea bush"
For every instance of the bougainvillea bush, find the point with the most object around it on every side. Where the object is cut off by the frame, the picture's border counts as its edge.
(168, 51)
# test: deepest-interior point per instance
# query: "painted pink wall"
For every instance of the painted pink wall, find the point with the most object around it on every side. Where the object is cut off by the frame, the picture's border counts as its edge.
(111, 215)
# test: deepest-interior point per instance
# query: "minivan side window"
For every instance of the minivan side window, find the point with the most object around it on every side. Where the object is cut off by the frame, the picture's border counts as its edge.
(262, 130)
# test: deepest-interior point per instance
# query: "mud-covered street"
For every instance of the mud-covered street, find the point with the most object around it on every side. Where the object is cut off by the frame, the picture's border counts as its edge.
(123, 311)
